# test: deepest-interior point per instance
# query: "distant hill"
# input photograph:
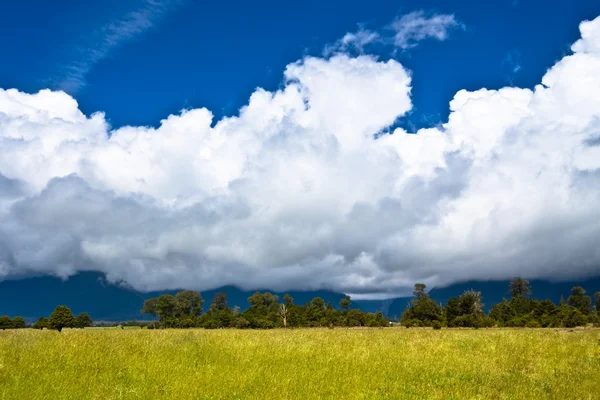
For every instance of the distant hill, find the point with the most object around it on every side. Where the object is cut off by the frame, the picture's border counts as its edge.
(89, 292)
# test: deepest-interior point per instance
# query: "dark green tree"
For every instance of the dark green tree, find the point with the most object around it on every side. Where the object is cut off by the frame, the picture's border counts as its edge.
(189, 304)
(356, 318)
(519, 287)
(62, 317)
(83, 320)
(293, 311)
(5, 322)
(452, 310)
(150, 309)
(579, 300)
(503, 312)
(19, 323)
(219, 314)
(316, 312)
(219, 303)
(166, 306)
(422, 311)
(41, 323)
(345, 303)
(466, 311)
(597, 297)
(471, 303)
(288, 300)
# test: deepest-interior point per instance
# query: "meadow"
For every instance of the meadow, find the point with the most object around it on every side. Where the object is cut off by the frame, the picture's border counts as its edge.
(391, 363)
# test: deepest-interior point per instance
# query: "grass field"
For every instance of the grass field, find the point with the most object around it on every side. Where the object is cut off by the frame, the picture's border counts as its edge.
(300, 364)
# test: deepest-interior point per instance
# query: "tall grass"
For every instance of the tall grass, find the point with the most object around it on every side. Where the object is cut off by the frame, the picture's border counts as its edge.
(300, 364)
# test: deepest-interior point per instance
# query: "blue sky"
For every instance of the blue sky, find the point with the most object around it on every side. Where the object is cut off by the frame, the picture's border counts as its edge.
(357, 147)
(214, 54)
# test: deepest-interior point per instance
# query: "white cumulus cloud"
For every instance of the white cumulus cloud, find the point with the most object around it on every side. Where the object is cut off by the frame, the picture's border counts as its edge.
(295, 192)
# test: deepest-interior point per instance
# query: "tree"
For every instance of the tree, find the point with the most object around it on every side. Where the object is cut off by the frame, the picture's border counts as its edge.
(452, 310)
(519, 287)
(5, 322)
(345, 303)
(419, 292)
(289, 300)
(283, 313)
(41, 323)
(503, 312)
(355, 318)
(380, 320)
(597, 297)
(422, 310)
(166, 306)
(62, 317)
(471, 303)
(466, 310)
(316, 312)
(18, 323)
(83, 320)
(579, 300)
(189, 304)
(150, 308)
(219, 303)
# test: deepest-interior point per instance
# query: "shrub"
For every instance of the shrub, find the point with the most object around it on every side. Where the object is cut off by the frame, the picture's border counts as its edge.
(532, 323)
(410, 323)
(437, 325)
(574, 319)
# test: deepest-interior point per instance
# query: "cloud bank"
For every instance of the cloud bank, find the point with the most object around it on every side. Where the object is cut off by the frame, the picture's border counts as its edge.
(295, 192)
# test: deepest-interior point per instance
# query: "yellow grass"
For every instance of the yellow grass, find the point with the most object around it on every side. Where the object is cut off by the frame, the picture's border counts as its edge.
(300, 364)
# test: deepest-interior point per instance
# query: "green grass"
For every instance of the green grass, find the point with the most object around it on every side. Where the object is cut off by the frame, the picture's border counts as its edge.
(300, 364)
(99, 328)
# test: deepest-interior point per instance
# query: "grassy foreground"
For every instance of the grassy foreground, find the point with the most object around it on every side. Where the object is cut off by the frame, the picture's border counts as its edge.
(300, 364)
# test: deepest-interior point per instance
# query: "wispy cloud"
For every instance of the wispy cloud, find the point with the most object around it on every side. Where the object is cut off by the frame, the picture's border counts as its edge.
(404, 32)
(412, 28)
(511, 65)
(357, 41)
(111, 36)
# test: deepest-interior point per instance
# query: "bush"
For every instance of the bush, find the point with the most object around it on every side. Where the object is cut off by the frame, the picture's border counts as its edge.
(242, 323)
(437, 325)
(532, 323)
(518, 322)
(465, 321)
(372, 324)
(187, 323)
(484, 322)
(410, 323)
(575, 318)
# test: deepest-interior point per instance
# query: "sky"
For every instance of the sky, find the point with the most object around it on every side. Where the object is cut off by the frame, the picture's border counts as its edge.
(350, 146)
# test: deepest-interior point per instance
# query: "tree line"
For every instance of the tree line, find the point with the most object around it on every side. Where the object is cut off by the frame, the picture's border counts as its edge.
(520, 310)
(265, 311)
(61, 317)
(185, 310)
